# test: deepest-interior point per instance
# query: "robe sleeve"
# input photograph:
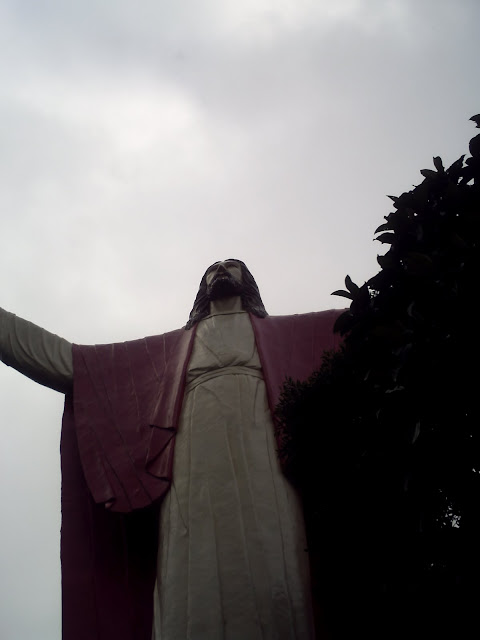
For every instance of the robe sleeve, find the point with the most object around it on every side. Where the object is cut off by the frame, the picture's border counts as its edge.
(126, 403)
(293, 346)
(42, 356)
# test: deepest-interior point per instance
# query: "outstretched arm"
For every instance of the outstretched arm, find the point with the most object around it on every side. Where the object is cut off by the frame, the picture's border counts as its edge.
(38, 354)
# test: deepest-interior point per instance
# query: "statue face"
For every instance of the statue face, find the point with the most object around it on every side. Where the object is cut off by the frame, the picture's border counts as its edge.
(219, 269)
(224, 279)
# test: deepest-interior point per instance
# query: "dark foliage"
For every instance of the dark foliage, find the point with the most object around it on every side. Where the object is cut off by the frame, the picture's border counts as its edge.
(384, 440)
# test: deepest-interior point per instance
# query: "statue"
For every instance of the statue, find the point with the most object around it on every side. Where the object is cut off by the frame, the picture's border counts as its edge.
(177, 521)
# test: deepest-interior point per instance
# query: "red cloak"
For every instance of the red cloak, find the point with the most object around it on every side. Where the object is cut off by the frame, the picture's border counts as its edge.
(117, 449)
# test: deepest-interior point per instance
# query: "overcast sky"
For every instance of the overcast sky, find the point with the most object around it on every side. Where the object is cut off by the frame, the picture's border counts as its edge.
(142, 141)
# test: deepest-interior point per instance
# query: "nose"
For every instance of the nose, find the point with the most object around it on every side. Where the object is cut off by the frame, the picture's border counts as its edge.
(221, 269)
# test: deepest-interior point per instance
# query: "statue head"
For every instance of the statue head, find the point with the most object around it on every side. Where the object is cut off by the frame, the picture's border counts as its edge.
(225, 279)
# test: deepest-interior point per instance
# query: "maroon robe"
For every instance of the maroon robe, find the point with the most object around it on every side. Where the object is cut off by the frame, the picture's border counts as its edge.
(117, 451)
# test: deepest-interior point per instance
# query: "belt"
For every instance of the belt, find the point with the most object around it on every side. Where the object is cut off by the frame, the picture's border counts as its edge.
(224, 371)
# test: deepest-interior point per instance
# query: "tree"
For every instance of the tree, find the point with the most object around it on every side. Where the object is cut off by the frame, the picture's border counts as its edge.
(384, 440)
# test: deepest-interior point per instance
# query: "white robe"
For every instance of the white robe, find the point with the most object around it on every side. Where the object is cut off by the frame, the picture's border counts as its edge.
(232, 563)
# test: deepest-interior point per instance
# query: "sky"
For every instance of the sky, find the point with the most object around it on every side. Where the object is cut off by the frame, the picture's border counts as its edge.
(143, 141)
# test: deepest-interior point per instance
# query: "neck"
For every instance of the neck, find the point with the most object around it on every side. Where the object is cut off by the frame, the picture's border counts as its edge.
(226, 305)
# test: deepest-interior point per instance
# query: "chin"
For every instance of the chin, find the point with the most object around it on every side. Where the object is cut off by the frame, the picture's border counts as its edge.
(224, 287)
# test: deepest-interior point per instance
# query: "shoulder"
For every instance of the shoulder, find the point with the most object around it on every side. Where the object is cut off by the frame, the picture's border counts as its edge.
(164, 341)
(314, 317)
(168, 337)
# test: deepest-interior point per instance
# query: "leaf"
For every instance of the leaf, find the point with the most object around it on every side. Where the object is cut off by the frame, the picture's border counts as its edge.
(476, 119)
(416, 433)
(382, 227)
(396, 389)
(437, 161)
(386, 261)
(474, 146)
(351, 286)
(361, 300)
(413, 313)
(386, 238)
(343, 294)
(429, 173)
(454, 170)
(418, 263)
(458, 241)
(378, 281)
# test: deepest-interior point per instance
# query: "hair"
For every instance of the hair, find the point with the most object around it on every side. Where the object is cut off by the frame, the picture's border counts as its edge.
(250, 296)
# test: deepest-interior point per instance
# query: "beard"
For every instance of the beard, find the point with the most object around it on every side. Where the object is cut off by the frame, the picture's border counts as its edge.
(224, 286)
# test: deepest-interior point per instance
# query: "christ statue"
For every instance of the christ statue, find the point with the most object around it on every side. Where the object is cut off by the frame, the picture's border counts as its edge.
(177, 521)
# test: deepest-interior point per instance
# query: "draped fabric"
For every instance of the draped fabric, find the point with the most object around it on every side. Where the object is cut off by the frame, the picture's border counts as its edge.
(108, 558)
(117, 460)
(127, 398)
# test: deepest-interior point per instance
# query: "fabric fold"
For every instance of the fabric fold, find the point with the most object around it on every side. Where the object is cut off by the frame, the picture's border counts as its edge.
(120, 391)
(160, 452)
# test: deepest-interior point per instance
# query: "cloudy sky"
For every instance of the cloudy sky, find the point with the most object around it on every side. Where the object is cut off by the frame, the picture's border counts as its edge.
(142, 141)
